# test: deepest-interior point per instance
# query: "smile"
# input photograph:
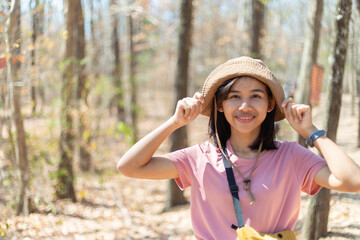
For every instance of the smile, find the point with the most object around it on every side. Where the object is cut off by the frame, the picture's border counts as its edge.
(246, 118)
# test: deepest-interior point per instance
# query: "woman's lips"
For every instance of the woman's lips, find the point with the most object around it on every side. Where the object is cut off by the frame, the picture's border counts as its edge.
(245, 118)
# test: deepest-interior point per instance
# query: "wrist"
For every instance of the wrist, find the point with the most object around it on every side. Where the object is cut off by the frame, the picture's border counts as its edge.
(309, 131)
(314, 136)
(174, 123)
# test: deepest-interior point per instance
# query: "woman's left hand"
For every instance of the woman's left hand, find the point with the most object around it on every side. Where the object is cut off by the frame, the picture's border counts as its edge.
(299, 117)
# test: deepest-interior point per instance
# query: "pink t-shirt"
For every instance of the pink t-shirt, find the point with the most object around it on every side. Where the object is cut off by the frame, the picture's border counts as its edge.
(277, 181)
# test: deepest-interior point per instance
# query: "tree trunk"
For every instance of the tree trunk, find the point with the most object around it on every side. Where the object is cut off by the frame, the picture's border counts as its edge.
(132, 80)
(82, 90)
(25, 203)
(96, 36)
(34, 35)
(319, 211)
(8, 92)
(65, 185)
(179, 137)
(352, 73)
(118, 98)
(357, 62)
(257, 30)
(94, 40)
(309, 56)
(358, 90)
(12, 143)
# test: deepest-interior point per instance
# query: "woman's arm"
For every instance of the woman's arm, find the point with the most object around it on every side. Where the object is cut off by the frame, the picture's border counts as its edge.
(341, 172)
(139, 161)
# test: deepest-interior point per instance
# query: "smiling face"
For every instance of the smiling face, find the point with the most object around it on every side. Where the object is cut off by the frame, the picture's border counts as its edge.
(246, 106)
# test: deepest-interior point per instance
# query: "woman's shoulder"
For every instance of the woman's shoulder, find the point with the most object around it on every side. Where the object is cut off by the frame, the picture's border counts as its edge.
(206, 151)
(291, 147)
(285, 144)
(288, 146)
(206, 147)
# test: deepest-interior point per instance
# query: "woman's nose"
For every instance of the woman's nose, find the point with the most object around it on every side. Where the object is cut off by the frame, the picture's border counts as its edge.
(244, 105)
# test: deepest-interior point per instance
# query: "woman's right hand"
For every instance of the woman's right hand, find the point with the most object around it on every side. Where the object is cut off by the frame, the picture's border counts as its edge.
(139, 161)
(187, 109)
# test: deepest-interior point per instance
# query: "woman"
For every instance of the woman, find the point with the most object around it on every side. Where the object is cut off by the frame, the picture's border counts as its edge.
(243, 100)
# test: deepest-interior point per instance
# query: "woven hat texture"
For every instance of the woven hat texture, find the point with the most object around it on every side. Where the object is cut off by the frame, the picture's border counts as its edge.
(242, 66)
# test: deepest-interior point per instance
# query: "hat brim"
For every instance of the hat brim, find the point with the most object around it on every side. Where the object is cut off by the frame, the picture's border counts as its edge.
(242, 66)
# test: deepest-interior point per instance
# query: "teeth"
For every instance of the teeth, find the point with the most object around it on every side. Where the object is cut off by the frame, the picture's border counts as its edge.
(245, 118)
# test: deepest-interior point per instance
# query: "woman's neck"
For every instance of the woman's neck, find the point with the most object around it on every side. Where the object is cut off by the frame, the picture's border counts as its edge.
(241, 146)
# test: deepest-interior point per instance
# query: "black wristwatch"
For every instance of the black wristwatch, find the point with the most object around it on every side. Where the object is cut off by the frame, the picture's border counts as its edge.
(315, 135)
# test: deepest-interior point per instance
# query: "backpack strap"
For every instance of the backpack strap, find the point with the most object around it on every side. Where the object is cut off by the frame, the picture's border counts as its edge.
(234, 189)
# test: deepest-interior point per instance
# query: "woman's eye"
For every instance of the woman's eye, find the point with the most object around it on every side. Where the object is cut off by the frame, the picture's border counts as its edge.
(234, 96)
(256, 96)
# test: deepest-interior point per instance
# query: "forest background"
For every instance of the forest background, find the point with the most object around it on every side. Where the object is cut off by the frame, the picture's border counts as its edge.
(82, 80)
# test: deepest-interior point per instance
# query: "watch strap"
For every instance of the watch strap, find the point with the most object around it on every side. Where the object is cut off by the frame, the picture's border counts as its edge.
(315, 135)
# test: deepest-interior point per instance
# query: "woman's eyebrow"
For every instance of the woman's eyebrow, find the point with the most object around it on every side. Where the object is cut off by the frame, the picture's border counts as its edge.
(252, 90)
(258, 90)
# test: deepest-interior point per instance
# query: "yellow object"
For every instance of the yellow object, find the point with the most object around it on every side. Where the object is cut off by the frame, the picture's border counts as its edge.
(248, 233)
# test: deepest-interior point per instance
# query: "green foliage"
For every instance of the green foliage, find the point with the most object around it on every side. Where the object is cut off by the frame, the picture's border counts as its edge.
(7, 177)
(40, 152)
(51, 207)
(86, 135)
(11, 204)
(39, 157)
(7, 148)
(146, 21)
(103, 90)
(6, 183)
(84, 61)
(126, 131)
(3, 228)
(63, 64)
(62, 172)
(144, 58)
(57, 174)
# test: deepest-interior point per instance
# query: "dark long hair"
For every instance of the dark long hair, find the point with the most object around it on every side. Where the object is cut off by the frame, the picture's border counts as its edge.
(267, 129)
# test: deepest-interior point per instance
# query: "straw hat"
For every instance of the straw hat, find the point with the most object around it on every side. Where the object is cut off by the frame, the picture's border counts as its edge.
(242, 66)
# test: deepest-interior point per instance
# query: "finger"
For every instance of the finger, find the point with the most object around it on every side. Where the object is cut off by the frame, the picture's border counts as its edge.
(300, 111)
(297, 111)
(303, 109)
(187, 109)
(195, 108)
(199, 97)
(286, 104)
(183, 108)
(294, 110)
(286, 101)
(191, 105)
(288, 111)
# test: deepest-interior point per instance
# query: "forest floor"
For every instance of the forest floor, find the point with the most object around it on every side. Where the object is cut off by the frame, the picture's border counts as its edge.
(111, 206)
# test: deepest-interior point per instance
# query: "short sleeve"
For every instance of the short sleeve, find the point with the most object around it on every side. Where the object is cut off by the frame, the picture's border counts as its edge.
(181, 159)
(307, 164)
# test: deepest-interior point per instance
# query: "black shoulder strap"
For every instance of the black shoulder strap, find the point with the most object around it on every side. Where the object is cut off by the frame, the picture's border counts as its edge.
(234, 189)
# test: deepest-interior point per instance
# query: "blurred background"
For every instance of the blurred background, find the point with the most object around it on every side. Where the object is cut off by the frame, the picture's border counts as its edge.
(82, 80)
